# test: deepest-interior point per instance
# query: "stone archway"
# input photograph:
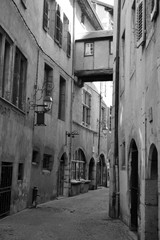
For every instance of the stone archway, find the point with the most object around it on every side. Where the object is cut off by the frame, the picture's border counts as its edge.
(151, 197)
(134, 185)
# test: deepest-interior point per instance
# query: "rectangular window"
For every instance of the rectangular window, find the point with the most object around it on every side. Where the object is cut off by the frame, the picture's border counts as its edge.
(154, 9)
(103, 117)
(5, 65)
(82, 18)
(19, 80)
(133, 39)
(78, 166)
(46, 15)
(89, 49)
(110, 47)
(123, 63)
(86, 108)
(62, 93)
(20, 171)
(123, 154)
(68, 44)
(140, 22)
(35, 159)
(48, 80)
(47, 162)
(110, 119)
(58, 26)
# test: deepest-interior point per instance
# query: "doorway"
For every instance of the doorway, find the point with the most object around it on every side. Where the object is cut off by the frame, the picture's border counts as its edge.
(61, 176)
(92, 174)
(5, 188)
(101, 172)
(151, 196)
(134, 191)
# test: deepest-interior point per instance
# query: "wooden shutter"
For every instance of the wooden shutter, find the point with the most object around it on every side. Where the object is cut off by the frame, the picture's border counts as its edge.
(46, 15)
(57, 23)
(154, 8)
(68, 44)
(140, 22)
(52, 14)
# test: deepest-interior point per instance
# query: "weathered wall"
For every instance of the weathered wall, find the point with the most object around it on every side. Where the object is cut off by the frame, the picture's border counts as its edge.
(138, 95)
(16, 126)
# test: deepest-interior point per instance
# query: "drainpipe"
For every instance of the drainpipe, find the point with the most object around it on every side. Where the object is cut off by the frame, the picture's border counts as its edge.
(114, 205)
(72, 95)
(99, 126)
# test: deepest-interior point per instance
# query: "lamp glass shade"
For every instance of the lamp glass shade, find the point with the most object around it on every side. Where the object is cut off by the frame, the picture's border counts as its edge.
(47, 103)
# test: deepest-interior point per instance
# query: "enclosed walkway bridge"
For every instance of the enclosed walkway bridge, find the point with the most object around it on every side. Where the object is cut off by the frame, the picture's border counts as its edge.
(94, 57)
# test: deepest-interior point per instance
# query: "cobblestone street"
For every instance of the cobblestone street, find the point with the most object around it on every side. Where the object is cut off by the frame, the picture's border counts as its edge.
(81, 217)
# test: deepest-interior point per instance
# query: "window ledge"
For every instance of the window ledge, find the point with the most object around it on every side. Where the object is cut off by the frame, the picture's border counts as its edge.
(73, 181)
(12, 106)
(34, 163)
(46, 172)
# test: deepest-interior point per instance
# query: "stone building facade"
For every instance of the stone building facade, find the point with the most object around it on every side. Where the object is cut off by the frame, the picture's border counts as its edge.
(134, 192)
(42, 143)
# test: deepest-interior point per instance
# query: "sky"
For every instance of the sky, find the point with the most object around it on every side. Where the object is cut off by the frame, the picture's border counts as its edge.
(111, 2)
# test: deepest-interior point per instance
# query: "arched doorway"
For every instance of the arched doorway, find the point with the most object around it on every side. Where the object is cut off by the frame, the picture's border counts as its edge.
(151, 197)
(61, 173)
(92, 174)
(134, 191)
(101, 172)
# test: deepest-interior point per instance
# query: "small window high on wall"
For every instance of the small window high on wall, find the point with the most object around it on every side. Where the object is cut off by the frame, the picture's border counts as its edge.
(86, 108)
(19, 80)
(89, 49)
(62, 96)
(140, 22)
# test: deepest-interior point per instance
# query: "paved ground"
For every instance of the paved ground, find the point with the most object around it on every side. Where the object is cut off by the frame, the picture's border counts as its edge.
(81, 217)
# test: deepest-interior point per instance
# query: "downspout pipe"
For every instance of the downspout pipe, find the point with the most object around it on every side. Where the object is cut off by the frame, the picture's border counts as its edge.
(72, 95)
(115, 193)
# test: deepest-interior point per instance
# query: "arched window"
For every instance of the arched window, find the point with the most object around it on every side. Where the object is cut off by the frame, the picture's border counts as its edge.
(78, 165)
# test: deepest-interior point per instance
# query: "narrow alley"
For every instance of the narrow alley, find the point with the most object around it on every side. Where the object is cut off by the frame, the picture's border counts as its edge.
(81, 217)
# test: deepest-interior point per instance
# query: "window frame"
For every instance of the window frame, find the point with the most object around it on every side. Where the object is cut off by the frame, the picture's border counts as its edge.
(58, 26)
(86, 112)
(140, 22)
(78, 165)
(154, 9)
(6, 66)
(47, 166)
(19, 80)
(48, 80)
(88, 49)
(62, 99)
(46, 15)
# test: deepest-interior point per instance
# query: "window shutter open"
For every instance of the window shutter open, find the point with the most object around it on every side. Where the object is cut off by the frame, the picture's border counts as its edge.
(140, 22)
(46, 16)
(68, 44)
(154, 8)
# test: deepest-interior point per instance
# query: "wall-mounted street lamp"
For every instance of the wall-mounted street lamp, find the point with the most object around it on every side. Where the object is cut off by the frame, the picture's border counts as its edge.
(41, 109)
(105, 130)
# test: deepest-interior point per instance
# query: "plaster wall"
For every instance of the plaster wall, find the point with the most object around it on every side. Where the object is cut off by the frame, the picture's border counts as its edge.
(16, 126)
(139, 94)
